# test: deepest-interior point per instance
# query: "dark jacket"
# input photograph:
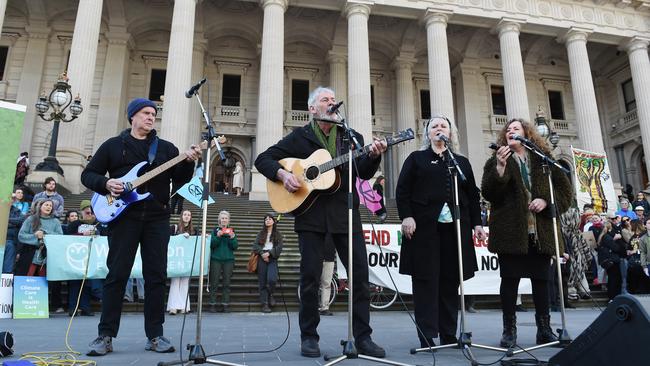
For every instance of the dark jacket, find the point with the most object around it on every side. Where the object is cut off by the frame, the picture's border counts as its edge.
(73, 228)
(258, 245)
(121, 153)
(509, 206)
(610, 249)
(328, 212)
(422, 190)
(16, 219)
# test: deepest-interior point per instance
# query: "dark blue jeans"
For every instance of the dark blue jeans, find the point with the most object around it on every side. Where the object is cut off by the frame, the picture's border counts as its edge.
(91, 288)
(267, 278)
(9, 257)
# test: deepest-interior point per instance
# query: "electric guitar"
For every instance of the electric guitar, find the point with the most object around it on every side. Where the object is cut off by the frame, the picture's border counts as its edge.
(316, 175)
(108, 207)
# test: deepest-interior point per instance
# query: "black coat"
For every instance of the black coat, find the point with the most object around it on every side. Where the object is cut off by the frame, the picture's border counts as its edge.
(329, 212)
(423, 187)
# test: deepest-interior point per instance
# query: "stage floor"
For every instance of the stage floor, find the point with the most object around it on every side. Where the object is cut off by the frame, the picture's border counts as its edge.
(255, 332)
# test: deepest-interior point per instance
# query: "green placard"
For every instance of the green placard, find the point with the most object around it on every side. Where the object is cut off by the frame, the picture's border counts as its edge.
(30, 297)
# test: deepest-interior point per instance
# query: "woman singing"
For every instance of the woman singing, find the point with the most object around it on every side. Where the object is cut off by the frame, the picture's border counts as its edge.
(268, 245)
(429, 251)
(521, 225)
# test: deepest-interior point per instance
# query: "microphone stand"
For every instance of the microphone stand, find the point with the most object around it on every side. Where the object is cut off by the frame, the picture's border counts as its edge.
(349, 350)
(196, 351)
(465, 339)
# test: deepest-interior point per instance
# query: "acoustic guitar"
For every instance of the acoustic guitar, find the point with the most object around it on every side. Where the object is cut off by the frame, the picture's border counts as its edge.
(316, 175)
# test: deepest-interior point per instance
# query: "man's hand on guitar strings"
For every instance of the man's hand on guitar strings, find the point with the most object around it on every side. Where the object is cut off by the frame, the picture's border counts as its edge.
(378, 147)
(193, 154)
(115, 186)
(291, 183)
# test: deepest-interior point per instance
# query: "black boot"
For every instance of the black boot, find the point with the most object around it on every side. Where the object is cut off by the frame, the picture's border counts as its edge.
(509, 336)
(544, 331)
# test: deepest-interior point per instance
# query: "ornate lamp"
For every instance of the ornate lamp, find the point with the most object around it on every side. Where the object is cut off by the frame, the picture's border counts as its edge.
(543, 128)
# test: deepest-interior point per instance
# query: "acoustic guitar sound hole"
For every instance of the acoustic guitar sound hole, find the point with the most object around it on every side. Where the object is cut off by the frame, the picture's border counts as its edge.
(311, 173)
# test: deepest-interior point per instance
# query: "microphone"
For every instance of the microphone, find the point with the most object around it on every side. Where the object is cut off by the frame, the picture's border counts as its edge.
(335, 107)
(493, 146)
(521, 139)
(443, 138)
(194, 88)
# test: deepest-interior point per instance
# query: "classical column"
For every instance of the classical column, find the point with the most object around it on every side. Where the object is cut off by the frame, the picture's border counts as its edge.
(470, 131)
(338, 75)
(513, 70)
(584, 95)
(359, 108)
(179, 72)
(270, 111)
(195, 122)
(112, 105)
(405, 104)
(439, 75)
(71, 151)
(637, 50)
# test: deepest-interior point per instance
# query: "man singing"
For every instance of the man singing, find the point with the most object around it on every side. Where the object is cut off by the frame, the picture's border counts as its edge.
(145, 222)
(326, 215)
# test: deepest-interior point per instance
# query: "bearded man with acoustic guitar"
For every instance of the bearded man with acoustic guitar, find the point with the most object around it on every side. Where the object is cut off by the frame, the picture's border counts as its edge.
(326, 214)
(145, 222)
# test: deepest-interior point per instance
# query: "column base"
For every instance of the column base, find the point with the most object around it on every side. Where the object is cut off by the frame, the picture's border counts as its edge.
(36, 178)
(73, 163)
(258, 187)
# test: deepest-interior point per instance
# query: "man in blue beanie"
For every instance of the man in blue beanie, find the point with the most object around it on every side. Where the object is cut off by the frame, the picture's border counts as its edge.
(144, 222)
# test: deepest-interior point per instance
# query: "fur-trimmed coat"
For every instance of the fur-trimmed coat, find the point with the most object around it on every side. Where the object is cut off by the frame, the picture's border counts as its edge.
(509, 206)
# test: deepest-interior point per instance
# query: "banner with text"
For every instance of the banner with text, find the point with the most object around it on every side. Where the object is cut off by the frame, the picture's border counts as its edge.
(382, 261)
(67, 256)
(30, 298)
(6, 295)
(593, 180)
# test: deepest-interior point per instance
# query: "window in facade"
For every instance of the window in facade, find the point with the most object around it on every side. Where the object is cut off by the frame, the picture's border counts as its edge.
(556, 105)
(425, 104)
(628, 95)
(231, 90)
(498, 100)
(4, 52)
(372, 100)
(157, 84)
(299, 95)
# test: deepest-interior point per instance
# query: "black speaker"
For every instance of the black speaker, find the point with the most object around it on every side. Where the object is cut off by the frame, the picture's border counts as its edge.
(619, 336)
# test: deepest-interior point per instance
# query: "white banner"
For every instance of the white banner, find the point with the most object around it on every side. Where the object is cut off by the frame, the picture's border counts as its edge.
(384, 263)
(593, 180)
(6, 296)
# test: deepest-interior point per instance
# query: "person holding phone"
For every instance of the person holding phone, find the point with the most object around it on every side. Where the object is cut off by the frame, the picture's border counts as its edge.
(222, 262)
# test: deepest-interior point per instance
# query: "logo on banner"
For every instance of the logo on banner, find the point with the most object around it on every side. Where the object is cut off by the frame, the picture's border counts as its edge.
(77, 256)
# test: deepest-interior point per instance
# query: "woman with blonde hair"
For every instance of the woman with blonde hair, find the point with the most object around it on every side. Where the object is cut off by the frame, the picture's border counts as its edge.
(222, 262)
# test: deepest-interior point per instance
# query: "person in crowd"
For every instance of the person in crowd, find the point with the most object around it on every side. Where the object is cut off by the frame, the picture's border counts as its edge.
(19, 201)
(644, 249)
(521, 225)
(222, 262)
(178, 300)
(429, 251)
(22, 168)
(326, 215)
(379, 188)
(70, 217)
(268, 244)
(580, 253)
(238, 178)
(49, 192)
(129, 295)
(596, 227)
(32, 233)
(329, 262)
(144, 223)
(641, 201)
(611, 249)
(625, 210)
(640, 214)
(16, 219)
(86, 226)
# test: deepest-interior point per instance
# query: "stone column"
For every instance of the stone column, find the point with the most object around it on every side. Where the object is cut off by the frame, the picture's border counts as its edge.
(637, 49)
(338, 75)
(270, 111)
(439, 75)
(195, 122)
(584, 95)
(469, 123)
(111, 115)
(359, 109)
(405, 103)
(179, 72)
(513, 70)
(71, 151)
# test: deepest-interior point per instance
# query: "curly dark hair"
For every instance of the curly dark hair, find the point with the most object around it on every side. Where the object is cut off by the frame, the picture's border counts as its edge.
(530, 133)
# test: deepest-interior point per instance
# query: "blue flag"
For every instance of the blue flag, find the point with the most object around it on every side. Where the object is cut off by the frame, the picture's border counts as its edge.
(193, 191)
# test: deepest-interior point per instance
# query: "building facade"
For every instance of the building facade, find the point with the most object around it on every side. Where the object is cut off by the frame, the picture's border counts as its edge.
(393, 62)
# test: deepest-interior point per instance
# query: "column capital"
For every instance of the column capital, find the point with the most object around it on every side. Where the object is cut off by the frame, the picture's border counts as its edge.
(38, 32)
(636, 43)
(507, 25)
(403, 63)
(334, 57)
(117, 37)
(435, 15)
(358, 7)
(576, 34)
(283, 3)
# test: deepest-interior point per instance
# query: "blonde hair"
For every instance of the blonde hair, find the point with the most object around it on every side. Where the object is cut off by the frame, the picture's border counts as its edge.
(453, 134)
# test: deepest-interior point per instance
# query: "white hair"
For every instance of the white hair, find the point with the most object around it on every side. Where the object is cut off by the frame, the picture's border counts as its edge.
(311, 102)
(453, 134)
(224, 213)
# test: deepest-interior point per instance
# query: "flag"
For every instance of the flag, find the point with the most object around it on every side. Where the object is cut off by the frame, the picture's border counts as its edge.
(367, 196)
(193, 191)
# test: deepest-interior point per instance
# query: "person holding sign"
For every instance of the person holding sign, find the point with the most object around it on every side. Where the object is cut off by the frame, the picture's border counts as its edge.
(34, 228)
(177, 300)
(429, 251)
(521, 223)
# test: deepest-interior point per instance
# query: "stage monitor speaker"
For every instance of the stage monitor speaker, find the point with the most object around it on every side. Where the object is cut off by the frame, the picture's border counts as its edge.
(619, 336)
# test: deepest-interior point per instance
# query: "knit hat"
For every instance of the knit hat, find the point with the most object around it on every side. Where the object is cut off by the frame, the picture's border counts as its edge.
(84, 204)
(137, 104)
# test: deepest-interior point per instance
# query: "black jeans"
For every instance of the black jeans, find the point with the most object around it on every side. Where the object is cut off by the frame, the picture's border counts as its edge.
(311, 266)
(123, 238)
(508, 291)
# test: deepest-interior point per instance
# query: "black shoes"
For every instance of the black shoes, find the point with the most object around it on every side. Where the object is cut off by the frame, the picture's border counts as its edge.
(509, 336)
(266, 308)
(448, 339)
(309, 348)
(325, 312)
(544, 332)
(426, 343)
(369, 348)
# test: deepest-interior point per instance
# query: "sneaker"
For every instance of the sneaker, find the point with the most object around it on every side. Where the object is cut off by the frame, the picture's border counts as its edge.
(369, 348)
(59, 310)
(520, 308)
(266, 308)
(159, 344)
(100, 346)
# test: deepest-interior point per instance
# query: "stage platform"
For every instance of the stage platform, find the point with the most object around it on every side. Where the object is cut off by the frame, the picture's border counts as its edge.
(256, 332)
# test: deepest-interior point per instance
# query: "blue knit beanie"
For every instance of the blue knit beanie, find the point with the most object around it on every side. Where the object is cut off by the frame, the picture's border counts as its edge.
(137, 104)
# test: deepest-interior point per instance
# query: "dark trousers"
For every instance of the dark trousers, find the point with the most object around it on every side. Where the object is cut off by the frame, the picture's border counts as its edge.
(123, 238)
(92, 287)
(614, 280)
(508, 292)
(436, 299)
(311, 265)
(176, 204)
(267, 278)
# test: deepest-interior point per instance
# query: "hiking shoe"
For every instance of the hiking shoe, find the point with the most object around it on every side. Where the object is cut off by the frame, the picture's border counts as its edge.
(100, 346)
(369, 348)
(159, 344)
(309, 348)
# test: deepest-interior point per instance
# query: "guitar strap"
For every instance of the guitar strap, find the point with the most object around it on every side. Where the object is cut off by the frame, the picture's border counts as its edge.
(152, 149)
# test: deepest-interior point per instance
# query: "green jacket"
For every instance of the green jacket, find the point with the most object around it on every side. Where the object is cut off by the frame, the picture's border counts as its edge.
(222, 248)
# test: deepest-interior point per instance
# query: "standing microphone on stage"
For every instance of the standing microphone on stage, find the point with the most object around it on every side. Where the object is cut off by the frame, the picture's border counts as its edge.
(522, 139)
(195, 88)
(335, 107)
(443, 138)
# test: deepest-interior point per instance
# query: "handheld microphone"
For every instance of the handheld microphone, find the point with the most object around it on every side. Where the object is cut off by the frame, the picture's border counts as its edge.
(194, 88)
(443, 138)
(493, 146)
(334, 107)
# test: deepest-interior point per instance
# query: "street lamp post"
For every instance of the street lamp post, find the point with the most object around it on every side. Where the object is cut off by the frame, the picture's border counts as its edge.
(60, 99)
(543, 128)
